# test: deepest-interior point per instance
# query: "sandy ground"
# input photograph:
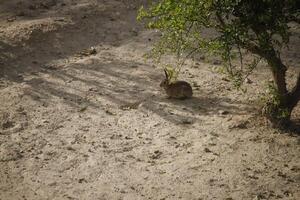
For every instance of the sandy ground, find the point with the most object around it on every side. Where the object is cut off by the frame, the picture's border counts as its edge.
(82, 124)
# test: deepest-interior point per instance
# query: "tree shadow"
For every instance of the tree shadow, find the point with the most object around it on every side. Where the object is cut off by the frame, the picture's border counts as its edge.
(119, 83)
(295, 128)
(83, 26)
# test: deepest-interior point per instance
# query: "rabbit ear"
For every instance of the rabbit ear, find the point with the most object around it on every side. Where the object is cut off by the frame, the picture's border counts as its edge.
(166, 73)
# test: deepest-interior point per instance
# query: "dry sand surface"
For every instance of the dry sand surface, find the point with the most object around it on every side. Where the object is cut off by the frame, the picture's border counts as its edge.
(82, 115)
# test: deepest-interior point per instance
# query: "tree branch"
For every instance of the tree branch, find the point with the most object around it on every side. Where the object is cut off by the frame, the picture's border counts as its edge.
(254, 49)
(221, 21)
(295, 93)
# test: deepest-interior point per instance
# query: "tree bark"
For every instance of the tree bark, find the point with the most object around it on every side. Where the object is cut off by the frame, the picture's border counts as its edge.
(282, 110)
(280, 114)
(294, 96)
(279, 74)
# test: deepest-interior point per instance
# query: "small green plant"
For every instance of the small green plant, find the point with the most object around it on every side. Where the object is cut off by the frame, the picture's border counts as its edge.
(271, 108)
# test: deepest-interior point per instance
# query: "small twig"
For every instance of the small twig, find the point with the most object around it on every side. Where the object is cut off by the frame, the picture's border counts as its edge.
(251, 70)
(241, 57)
(186, 57)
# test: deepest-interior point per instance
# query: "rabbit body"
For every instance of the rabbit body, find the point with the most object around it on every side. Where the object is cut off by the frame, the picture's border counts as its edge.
(178, 89)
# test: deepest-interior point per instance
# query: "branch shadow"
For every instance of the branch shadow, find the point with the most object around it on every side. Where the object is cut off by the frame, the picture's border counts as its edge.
(83, 26)
(119, 83)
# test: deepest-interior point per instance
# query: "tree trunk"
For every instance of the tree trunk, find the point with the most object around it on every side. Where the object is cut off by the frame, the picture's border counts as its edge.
(294, 96)
(280, 113)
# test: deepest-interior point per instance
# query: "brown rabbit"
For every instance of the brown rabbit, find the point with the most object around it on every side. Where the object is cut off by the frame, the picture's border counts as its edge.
(177, 89)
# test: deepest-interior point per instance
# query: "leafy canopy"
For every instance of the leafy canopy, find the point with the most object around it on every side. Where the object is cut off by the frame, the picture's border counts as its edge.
(258, 26)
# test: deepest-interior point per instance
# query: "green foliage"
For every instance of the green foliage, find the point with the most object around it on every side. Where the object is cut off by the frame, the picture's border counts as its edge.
(257, 26)
(272, 108)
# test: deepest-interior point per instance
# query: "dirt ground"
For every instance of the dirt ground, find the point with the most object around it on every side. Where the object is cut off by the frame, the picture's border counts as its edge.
(82, 115)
